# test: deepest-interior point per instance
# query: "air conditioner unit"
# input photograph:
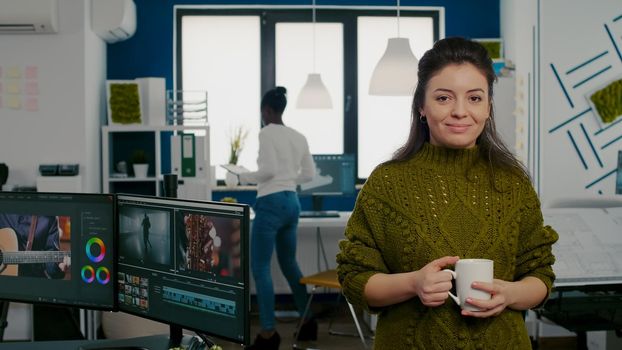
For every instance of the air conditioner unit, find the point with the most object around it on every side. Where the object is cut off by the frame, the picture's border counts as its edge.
(113, 20)
(28, 16)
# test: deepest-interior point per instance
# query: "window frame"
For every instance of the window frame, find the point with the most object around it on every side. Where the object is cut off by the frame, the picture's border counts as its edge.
(270, 15)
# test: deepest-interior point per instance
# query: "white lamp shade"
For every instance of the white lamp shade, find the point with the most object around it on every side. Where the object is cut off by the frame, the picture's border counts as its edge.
(396, 72)
(314, 94)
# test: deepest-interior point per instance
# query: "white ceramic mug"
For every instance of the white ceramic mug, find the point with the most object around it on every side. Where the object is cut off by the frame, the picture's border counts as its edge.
(466, 272)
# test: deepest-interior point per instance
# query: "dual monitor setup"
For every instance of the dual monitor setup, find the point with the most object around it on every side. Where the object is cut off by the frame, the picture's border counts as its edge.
(177, 261)
(180, 262)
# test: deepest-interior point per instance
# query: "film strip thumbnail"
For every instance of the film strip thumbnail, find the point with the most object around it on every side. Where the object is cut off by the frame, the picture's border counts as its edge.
(134, 291)
(202, 302)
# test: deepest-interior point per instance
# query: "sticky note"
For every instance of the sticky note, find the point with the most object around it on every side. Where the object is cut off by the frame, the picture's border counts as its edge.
(13, 87)
(14, 72)
(31, 88)
(14, 102)
(32, 72)
(32, 104)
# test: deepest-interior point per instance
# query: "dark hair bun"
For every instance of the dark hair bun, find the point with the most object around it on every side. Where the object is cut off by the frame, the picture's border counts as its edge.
(276, 99)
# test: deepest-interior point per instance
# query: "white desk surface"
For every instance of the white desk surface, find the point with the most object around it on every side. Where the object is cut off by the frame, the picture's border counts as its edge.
(340, 221)
(589, 249)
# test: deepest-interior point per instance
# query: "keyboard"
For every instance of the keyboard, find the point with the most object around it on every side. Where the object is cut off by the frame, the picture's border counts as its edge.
(319, 214)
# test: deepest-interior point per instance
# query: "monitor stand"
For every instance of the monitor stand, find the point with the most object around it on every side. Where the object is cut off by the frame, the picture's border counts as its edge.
(4, 311)
(151, 342)
(316, 202)
(175, 336)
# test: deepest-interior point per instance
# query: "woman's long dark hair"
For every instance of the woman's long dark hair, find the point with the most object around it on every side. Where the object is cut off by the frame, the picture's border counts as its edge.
(458, 51)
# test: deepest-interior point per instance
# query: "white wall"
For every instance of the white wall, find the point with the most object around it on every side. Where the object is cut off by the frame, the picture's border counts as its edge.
(71, 73)
(564, 34)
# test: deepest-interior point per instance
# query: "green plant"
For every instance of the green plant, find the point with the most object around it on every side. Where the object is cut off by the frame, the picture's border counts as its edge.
(139, 156)
(237, 144)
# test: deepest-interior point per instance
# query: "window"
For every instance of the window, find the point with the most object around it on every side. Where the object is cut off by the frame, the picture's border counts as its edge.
(275, 46)
(214, 62)
(294, 61)
(384, 121)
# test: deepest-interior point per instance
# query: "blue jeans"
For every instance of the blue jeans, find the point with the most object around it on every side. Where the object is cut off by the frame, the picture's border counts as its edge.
(275, 224)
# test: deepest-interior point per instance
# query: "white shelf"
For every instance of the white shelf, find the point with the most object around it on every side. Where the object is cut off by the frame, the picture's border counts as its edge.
(154, 142)
(149, 128)
(132, 179)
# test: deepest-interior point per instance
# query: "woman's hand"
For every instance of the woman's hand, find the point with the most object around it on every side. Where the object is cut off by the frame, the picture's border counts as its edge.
(501, 297)
(518, 295)
(432, 284)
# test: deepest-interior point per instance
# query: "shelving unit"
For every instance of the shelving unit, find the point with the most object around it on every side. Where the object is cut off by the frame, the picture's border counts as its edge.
(119, 142)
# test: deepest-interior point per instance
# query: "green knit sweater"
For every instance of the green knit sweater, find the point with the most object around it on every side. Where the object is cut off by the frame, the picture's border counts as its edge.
(441, 202)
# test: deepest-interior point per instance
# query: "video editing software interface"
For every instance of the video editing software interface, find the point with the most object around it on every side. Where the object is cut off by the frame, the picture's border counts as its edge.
(334, 175)
(182, 262)
(58, 248)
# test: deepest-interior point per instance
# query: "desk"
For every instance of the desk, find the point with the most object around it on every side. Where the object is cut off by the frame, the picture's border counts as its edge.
(587, 294)
(310, 253)
(338, 223)
(154, 342)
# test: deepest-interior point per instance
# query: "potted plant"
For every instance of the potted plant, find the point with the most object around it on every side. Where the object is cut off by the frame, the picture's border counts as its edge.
(140, 163)
(236, 143)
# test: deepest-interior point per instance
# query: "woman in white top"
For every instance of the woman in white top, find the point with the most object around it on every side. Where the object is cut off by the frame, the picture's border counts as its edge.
(284, 161)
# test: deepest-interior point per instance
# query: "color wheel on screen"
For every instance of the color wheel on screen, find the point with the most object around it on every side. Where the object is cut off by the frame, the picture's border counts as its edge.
(91, 246)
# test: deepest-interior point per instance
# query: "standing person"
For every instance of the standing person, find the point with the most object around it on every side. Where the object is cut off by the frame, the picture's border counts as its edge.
(452, 191)
(284, 161)
(146, 224)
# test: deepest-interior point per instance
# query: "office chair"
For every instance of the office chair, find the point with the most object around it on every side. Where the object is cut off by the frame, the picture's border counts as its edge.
(326, 279)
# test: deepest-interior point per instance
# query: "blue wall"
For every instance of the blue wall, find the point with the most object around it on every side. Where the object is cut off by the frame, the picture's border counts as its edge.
(149, 52)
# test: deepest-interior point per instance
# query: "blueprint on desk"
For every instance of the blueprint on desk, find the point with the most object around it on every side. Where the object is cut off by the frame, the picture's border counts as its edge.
(589, 249)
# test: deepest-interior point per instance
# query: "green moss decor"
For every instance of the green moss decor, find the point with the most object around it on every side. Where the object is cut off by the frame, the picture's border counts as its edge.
(124, 103)
(608, 101)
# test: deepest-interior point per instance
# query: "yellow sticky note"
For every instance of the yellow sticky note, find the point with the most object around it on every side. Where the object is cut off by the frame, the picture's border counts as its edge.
(14, 102)
(14, 72)
(13, 87)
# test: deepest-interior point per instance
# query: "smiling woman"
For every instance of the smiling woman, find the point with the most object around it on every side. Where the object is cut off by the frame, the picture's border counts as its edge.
(452, 192)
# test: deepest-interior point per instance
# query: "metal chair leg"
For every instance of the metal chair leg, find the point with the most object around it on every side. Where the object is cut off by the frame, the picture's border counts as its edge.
(303, 317)
(359, 330)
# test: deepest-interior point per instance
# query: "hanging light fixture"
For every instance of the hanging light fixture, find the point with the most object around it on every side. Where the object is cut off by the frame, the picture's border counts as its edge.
(314, 94)
(396, 72)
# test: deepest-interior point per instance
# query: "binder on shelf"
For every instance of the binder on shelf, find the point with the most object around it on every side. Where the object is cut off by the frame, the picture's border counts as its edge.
(188, 160)
(177, 153)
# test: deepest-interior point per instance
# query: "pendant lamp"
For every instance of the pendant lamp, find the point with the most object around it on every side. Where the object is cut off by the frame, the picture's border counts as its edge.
(396, 72)
(314, 94)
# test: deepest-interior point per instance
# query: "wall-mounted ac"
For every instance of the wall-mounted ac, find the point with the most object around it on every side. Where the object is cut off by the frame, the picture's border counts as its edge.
(28, 16)
(113, 20)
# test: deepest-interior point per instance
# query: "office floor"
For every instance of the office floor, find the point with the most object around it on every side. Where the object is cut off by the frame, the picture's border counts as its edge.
(343, 322)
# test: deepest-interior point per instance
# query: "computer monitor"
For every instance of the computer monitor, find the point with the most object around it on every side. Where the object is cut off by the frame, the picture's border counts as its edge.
(334, 175)
(185, 263)
(58, 248)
